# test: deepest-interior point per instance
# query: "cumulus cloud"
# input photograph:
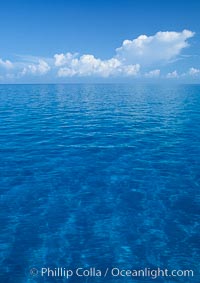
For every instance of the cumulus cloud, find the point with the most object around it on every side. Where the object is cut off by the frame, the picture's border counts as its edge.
(194, 71)
(6, 64)
(88, 65)
(62, 59)
(36, 69)
(153, 74)
(172, 75)
(133, 54)
(132, 59)
(159, 48)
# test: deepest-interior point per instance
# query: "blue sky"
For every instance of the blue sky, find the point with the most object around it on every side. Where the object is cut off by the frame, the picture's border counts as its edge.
(77, 41)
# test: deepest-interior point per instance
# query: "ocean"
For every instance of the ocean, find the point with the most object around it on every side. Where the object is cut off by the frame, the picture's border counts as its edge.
(99, 177)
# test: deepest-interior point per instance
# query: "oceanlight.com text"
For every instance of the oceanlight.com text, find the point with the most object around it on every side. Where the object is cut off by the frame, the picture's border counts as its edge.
(114, 272)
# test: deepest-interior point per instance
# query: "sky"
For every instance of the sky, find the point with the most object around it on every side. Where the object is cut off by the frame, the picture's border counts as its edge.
(49, 41)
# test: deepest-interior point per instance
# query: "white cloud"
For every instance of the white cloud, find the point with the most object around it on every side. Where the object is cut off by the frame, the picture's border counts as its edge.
(36, 69)
(142, 51)
(172, 75)
(88, 65)
(153, 74)
(194, 71)
(62, 59)
(6, 64)
(132, 59)
(149, 50)
(131, 70)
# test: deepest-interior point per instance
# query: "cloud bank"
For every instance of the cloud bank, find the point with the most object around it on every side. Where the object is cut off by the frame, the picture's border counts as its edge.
(88, 65)
(159, 48)
(36, 69)
(141, 57)
(129, 58)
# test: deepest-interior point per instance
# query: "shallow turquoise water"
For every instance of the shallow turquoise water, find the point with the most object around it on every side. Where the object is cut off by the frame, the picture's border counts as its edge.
(99, 176)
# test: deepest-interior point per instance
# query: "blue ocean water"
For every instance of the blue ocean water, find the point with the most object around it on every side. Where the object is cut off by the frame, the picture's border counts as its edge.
(99, 176)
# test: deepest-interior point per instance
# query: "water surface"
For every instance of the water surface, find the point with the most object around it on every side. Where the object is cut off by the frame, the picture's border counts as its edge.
(99, 176)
